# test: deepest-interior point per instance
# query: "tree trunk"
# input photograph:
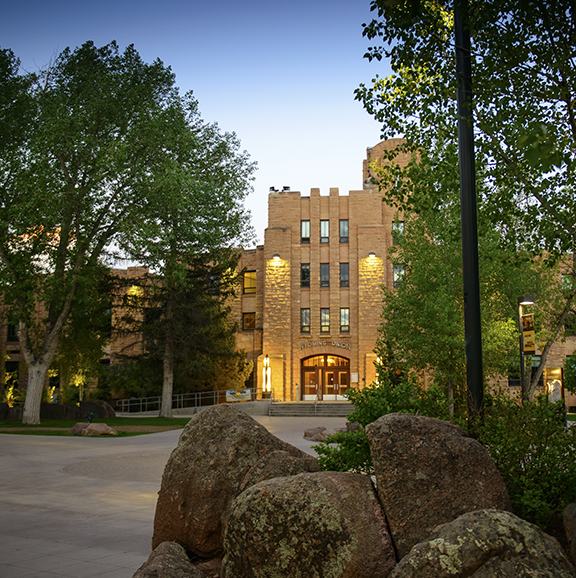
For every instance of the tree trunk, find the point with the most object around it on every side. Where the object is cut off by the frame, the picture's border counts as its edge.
(168, 362)
(36, 376)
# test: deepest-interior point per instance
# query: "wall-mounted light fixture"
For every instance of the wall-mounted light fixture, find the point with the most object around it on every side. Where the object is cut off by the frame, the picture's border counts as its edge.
(266, 375)
(275, 256)
(372, 254)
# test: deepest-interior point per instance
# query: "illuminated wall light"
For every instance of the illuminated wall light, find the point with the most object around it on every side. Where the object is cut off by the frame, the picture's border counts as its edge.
(372, 254)
(266, 375)
(275, 256)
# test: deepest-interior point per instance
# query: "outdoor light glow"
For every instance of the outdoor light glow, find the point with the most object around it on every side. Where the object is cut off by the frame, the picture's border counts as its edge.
(266, 375)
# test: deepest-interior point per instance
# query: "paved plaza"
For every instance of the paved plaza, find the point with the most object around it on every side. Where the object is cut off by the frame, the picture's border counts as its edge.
(80, 507)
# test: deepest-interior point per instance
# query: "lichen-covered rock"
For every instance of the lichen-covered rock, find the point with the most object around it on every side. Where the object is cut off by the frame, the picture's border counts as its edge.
(569, 517)
(99, 429)
(78, 428)
(429, 472)
(168, 560)
(324, 524)
(221, 452)
(486, 544)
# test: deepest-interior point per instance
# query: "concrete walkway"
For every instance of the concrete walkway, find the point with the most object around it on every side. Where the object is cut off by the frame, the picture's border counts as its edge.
(74, 507)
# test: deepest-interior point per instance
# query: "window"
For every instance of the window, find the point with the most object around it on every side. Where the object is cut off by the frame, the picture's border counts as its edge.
(248, 321)
(345, 319)
(305, 231)
(324, 274)
(12, 334)
(398, 275)
(324, 231)
(324, 320)
(249, 282)
(343, 230)
(397, 231)
(344, 275)
(305, 320)
(305, 275)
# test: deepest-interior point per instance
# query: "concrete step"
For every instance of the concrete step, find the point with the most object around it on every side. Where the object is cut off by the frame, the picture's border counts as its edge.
(307, 409)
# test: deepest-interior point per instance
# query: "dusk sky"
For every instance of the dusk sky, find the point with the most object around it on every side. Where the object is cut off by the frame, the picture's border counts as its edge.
(281, 75)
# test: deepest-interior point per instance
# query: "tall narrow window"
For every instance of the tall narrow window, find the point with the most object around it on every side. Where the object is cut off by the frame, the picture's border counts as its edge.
(397, 231)
(248, 321)
(343, 230)
(305, 320)
(305, 231)
(324, 231)
(325, 320)
(344, 275)
(324, 274)
(305, 275)
(12, 332)
(344, 319)
(249, 282)
(398, 275)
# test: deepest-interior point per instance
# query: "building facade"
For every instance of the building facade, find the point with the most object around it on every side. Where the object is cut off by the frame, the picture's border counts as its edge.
(311, 299)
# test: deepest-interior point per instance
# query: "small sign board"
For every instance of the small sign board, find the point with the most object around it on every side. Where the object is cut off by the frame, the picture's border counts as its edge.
(238, 395)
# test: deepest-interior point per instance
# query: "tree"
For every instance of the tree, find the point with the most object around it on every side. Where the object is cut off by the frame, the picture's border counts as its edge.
(206, 178)
(524, 80)
(80, 178)
(204, 353)
(422, 327)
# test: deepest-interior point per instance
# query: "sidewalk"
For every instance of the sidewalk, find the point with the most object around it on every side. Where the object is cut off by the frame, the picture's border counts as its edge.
(73, 507)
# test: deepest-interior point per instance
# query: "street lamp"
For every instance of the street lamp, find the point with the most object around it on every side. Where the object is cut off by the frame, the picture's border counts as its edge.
(528, 345)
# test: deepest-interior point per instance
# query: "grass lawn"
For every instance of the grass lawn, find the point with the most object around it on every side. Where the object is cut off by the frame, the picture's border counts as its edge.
(125, 426)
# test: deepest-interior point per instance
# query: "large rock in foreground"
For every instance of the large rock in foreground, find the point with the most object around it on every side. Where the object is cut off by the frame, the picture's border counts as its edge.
(168, 560)
(430, 472)
(486, 544)
(326, 524)
(221, 452)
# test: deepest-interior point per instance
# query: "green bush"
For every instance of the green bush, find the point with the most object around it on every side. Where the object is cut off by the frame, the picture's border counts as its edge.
(536, 455)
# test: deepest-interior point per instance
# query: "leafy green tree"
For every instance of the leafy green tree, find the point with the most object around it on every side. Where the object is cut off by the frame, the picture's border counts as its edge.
(524, 82)
(85, 169)
(200, 218)
(205, 356)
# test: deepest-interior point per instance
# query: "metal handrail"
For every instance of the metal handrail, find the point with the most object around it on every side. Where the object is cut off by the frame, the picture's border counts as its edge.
(179, 401)
(270, 403)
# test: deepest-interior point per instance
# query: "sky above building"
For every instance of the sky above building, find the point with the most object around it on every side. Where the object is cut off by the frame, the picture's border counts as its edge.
(281, 75)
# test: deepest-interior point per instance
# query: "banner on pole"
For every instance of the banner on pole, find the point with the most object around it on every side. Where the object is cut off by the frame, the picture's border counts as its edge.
(528, 333)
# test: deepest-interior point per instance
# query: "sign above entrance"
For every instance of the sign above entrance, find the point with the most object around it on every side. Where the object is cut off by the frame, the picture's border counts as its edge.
(323, 343)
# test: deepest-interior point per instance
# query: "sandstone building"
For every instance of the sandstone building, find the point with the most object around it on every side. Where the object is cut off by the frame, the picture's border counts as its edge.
(311, 298)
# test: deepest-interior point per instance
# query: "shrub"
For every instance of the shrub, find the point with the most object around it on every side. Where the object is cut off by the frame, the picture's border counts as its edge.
(536, 455)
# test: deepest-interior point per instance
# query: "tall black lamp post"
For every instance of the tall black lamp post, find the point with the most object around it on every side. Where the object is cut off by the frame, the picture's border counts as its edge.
(472, 323)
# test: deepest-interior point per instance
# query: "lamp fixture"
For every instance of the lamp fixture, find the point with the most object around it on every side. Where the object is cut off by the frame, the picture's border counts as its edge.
(372, 254)
(527, 300)
(275, 256)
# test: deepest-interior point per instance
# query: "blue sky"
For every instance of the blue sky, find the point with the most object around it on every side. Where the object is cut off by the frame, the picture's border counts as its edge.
(281, 75)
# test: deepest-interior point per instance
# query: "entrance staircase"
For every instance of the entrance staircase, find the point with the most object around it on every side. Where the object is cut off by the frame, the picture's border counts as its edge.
(311, 409)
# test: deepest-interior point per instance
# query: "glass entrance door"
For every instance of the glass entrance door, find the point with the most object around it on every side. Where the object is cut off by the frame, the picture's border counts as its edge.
(325, 377)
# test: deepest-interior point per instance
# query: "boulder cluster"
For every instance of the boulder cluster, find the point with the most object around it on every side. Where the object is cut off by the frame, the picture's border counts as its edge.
(237, 502)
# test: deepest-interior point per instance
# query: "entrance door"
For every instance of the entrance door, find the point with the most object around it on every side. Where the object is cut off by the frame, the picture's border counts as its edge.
(325, 376)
